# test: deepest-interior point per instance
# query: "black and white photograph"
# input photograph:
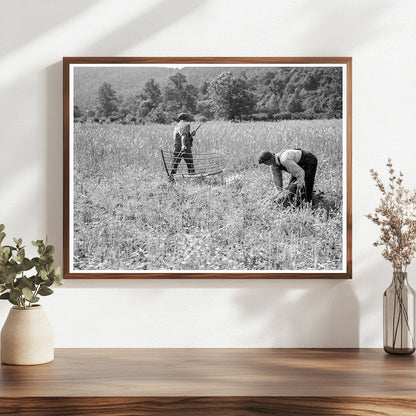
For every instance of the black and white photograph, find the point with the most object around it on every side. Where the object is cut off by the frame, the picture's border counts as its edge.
(218, 168)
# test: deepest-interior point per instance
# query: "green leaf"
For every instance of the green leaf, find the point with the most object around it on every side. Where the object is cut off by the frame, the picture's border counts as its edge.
(43, 274)
(4, 255)
(14, 302)
(48, 260)
(49, 250)
(18, 242)
(21, 254)
(2, 288)
(24, 282)
(45, 291)
(9, 277)
(27, 293)
(58, 277)
(37, 243)
(5, 295)
(26, 264)
(15, 294)
(2, 235)
(2, 227)
(5, 250)
(38, 280)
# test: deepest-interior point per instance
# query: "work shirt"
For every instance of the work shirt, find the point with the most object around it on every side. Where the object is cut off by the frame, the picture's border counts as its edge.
(182, 135)
(288, 160)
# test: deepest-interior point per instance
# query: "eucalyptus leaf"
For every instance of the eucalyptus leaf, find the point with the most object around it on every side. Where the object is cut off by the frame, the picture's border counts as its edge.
(58, 276)
(43, 274)
(2, 288)
(9, 277)
(45, 291)
(2, 235)
(5, 250)
(3, 259)
(15, 294)
(21, 255)
(27, 293)
(14, 302)
(2, 227)
(5, 295)
(49, 250)
(24, 282)
(26, 264)
(48, 282)
(47, 260)
(38, 280)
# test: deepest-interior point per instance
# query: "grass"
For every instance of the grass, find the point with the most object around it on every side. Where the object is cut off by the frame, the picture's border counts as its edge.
(128, 217)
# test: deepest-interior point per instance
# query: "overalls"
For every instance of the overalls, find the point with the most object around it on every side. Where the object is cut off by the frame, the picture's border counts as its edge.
(186, 154)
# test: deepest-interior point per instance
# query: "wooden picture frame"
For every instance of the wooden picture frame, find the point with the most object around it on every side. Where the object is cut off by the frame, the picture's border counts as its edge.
(123, 218)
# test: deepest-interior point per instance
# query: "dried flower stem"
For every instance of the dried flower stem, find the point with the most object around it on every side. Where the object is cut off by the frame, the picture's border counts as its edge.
(396, 216)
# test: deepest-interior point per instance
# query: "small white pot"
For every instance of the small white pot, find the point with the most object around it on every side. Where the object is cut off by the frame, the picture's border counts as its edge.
(27, 337)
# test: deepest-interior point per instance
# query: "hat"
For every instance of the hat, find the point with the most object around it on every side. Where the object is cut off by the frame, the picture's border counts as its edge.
(184, 116)
(265, 156)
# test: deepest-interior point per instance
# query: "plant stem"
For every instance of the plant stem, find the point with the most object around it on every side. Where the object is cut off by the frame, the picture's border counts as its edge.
(401, 314)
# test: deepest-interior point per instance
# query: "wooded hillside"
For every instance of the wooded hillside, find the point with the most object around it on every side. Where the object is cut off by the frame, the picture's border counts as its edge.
(158, 94)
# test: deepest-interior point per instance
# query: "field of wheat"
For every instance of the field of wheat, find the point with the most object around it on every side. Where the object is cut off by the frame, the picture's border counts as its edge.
(127, 216)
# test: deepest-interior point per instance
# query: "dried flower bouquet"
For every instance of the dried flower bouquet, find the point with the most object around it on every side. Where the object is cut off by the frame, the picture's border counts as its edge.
(396, 217)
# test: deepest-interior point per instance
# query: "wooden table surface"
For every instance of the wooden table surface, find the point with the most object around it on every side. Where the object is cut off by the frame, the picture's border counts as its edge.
(212, 382)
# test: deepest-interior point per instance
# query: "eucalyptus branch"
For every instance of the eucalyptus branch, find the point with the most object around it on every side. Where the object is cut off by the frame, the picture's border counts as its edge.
(16, 284)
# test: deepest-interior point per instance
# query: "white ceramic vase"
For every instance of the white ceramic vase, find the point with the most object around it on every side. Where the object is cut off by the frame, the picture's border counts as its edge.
(27, 337)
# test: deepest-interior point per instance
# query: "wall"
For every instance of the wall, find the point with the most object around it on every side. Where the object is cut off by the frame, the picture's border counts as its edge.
(380, 35)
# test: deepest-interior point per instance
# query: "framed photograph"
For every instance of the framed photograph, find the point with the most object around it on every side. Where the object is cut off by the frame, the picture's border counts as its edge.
(231, 168)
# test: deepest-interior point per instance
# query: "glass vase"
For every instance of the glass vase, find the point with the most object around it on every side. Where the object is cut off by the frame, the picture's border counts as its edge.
(399, 316)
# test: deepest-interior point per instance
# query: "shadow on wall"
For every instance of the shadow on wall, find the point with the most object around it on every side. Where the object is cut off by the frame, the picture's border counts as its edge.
(301, 313)
(339, 26)
(160, 16)
(148, 23)
(39, 17)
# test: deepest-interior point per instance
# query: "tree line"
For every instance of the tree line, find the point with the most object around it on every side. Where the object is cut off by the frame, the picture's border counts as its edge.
(268, 94)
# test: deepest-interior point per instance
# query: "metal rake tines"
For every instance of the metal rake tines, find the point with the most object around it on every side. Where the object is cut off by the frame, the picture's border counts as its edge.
(205, 164)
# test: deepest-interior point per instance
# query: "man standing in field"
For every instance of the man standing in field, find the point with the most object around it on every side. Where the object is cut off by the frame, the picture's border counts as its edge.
(183, 144)
(301, 164)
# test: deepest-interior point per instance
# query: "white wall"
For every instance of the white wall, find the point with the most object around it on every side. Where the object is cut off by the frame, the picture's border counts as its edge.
(380, 35)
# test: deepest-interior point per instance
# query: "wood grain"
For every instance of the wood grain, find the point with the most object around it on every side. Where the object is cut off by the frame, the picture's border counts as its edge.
(207, 406)
(212, 381)
(67, 61)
